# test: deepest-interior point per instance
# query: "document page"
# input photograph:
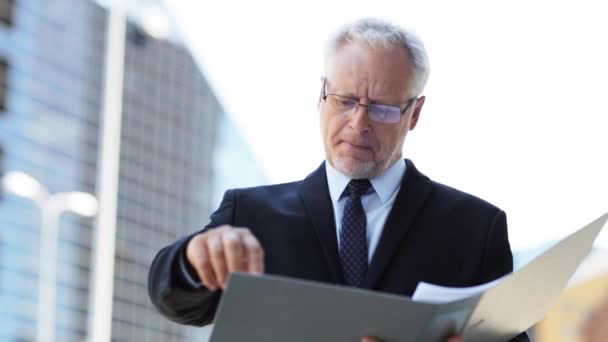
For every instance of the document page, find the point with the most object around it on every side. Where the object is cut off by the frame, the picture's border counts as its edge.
(430, 293)
(524, 297)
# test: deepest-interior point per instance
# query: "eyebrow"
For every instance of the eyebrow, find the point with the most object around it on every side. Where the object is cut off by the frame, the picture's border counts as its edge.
(341, 92)
(347, 94)
(355, 97)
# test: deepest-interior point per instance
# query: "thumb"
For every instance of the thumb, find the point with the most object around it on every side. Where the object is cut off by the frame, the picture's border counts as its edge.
(370, 339)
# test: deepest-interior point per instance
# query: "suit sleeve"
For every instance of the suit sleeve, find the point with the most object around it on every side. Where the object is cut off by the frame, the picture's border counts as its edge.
(498, 259)
(173, 286)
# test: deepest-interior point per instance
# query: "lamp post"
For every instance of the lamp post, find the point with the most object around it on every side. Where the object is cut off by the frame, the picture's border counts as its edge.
(101, 293)
(51, 207)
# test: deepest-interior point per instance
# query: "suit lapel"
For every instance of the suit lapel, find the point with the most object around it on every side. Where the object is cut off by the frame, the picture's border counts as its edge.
(314, 192)
(415, 188)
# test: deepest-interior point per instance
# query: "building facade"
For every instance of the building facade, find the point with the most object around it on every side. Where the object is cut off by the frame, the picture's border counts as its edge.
(51, 64)
(53, 52)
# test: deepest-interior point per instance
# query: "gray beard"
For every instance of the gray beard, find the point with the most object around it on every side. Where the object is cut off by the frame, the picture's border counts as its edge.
(363, 171)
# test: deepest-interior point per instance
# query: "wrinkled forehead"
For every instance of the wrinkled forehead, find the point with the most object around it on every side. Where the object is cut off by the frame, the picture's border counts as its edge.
(361, 70)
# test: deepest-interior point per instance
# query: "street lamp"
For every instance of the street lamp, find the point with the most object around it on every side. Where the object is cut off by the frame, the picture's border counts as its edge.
(24, 185)
(51, 207)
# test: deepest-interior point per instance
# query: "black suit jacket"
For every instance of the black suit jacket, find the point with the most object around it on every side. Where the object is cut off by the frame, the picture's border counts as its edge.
(433, 233)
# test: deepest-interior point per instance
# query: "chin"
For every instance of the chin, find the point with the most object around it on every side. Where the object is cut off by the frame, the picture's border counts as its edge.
(355, 169)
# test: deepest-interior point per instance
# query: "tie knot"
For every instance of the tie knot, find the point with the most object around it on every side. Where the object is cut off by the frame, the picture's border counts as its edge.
(357, 187)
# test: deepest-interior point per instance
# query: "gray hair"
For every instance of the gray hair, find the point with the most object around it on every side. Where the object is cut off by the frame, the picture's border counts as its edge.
(377, 32)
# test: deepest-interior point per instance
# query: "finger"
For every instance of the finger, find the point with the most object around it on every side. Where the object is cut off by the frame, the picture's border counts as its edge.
(455, 338)
(199, 259)
(204, 269)
(255, 253)
(234, 251)
(369, 339)
(595, 328)
(218, 260)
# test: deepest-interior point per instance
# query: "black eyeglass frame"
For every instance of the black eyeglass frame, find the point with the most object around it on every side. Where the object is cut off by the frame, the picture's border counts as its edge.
(402, 111)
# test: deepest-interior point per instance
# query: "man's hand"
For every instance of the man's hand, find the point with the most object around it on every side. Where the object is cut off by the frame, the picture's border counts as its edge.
(596, 327)
(455, 338)
(216, 253)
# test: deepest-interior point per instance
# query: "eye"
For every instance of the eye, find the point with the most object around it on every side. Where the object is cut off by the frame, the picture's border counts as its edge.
(346, 102)
(379, 111)
(384, 113)
(342, 103)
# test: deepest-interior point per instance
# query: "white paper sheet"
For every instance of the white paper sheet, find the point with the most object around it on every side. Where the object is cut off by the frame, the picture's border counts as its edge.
(431, 293)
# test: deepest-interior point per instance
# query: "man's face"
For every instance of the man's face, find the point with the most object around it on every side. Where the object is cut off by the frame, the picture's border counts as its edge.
(354, 144)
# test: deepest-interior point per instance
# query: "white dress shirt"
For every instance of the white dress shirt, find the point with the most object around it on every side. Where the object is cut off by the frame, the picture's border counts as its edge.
(376, 204)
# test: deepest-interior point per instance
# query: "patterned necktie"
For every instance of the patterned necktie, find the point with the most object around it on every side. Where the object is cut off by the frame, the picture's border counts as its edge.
(353, 235)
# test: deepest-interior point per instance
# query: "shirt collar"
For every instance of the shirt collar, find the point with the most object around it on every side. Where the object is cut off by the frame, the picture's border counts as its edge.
(384, 185)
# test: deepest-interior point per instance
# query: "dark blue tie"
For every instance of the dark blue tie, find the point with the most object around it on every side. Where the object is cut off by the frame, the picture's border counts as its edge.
(353, 235)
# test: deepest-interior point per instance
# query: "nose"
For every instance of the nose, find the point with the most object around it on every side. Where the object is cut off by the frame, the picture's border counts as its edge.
(359, 120)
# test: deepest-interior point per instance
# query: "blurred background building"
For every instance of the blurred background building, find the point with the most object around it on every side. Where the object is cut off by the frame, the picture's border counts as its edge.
(173, 126)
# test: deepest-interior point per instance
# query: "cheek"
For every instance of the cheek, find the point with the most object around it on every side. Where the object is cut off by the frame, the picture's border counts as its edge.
(331, 129)
(388, 140)
(324, 124)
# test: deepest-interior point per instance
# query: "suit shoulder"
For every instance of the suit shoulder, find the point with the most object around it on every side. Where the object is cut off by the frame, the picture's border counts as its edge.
(455, 197)
(267, 191)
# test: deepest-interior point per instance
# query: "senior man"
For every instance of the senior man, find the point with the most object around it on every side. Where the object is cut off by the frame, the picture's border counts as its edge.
(365, 218)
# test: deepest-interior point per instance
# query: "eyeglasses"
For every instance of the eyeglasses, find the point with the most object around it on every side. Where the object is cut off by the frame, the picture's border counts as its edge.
(378, 112)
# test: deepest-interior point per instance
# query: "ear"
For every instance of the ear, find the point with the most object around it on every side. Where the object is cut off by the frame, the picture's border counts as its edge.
(416, 113)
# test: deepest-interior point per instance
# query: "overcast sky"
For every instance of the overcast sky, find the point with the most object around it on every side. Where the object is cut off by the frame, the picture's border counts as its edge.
(516, 109)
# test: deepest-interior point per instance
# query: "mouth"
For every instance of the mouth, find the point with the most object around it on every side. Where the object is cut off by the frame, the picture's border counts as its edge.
(356, 147)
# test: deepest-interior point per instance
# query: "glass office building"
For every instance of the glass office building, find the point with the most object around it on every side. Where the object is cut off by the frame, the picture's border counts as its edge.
(51, 65)
(53, 52)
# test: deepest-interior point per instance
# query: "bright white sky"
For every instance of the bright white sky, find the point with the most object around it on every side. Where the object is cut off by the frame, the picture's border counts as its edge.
(517, 102)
